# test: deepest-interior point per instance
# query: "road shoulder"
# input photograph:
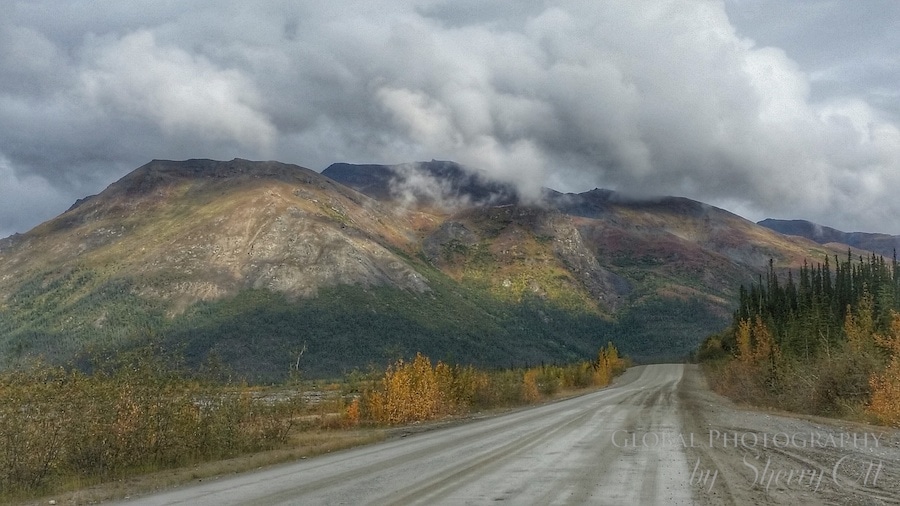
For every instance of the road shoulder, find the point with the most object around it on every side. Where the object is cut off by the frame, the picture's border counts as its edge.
(749, 456)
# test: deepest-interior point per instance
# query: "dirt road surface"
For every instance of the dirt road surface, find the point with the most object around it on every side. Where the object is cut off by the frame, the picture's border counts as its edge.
(657, 437)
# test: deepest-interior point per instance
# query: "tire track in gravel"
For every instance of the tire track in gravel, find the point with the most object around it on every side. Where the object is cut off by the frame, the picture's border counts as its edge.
(380, 465)
(431, 491)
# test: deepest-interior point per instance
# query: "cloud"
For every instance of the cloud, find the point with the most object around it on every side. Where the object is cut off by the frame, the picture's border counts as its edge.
(717, 101)
(180, 93)
(23, 196)
(411, 185)
(675, 103)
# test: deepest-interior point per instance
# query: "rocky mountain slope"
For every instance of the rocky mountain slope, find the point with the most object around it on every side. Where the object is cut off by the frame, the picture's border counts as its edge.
(249, 263)
(677, 242)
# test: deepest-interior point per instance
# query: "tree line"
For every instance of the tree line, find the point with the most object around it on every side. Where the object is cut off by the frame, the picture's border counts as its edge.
(825, 341)
(808, 313)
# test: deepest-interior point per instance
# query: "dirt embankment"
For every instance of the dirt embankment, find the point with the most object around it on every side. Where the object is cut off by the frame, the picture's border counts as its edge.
(741, 456)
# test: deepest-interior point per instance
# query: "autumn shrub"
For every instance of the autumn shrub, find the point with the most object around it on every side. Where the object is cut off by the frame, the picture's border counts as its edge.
(580, 375)
(885, 402)
(844, 378)
(32, 428)
(551, 379)
(841, 382)
(530, 392)
(885, 398)
(608, 365)
(61, 425)
(352, 413)
(499, 388)
(57, 423)
(411, 392)
(459, 386)
(417, 390)
(736, 380)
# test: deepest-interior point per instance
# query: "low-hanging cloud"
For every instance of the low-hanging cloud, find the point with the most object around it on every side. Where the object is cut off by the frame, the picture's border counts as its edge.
(649, 97)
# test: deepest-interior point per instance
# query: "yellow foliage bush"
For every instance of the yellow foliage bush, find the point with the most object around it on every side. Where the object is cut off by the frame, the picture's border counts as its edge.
(351, 415)
(885, 400)
(608, 365)
(530, 391)
(417, 391)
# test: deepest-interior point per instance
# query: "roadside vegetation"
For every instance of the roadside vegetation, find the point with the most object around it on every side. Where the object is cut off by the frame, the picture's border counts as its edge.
(63, 429)
(827, 343)
(419, 390)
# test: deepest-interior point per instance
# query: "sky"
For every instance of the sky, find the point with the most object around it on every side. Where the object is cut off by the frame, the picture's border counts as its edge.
(763, 107)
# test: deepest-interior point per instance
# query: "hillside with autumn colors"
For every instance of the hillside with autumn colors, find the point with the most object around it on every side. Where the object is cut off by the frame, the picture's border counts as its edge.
(263, 266)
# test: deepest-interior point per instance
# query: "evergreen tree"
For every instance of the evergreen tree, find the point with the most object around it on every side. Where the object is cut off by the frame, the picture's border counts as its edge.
(804, 316)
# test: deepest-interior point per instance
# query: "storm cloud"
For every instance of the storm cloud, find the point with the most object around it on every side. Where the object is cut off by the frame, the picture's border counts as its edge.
(789, 112)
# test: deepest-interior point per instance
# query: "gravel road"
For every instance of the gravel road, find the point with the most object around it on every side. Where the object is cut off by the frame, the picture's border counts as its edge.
(659, 436)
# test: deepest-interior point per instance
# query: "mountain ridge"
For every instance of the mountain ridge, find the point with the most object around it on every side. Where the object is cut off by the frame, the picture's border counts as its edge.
(881, 244)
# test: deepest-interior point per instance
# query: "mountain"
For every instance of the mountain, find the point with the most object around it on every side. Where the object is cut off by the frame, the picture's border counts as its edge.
(250, 263)
(881, 244)
(663, 270)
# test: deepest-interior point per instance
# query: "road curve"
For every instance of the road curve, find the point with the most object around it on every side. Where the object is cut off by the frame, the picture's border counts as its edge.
(575, 451)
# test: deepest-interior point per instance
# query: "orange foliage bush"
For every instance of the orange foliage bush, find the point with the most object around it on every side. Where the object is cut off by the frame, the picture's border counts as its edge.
(885, 400)
(351, 415)
(530, 391)
(417, 391)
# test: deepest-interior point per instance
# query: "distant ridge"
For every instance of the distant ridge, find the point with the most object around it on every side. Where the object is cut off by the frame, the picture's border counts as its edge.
(881, 244)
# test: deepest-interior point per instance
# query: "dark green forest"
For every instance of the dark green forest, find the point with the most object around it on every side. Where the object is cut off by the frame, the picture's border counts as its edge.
(258, 335)
(807, 313)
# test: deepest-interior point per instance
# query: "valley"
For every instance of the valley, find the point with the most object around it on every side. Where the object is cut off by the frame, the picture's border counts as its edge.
(262, 273)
